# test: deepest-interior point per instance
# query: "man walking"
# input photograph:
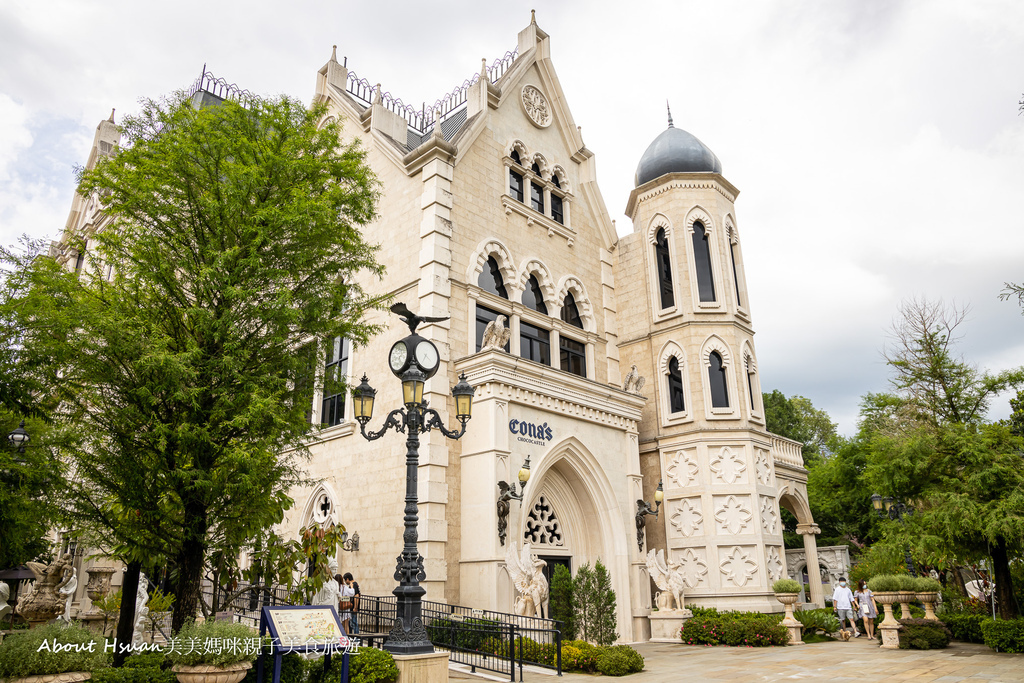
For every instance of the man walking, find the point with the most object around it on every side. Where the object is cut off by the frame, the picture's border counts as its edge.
(354, 621)
(842, 603)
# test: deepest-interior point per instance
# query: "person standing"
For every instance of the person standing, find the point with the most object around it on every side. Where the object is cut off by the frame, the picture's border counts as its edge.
(354, 585)
(866, 607)
(842, 604)
(345, 606)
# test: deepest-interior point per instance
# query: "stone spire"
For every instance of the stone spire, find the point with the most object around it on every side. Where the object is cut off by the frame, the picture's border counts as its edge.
(669, 114)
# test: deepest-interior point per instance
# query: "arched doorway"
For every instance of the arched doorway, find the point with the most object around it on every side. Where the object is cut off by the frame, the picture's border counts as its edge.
(793, 497)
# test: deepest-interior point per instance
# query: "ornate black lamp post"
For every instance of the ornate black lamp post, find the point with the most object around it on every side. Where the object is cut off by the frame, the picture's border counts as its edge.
(896, 511)
(413, 360)
(508, 493)
(643, 508)
(18, 439)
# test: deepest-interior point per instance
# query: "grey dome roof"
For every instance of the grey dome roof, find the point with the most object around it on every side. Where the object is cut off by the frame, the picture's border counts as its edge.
(675, 151)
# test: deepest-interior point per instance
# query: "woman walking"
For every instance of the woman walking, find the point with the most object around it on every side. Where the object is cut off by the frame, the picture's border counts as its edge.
(866, 607)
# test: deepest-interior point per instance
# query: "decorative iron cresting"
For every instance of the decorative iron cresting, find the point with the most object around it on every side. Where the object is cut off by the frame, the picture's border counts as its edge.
(218, 87)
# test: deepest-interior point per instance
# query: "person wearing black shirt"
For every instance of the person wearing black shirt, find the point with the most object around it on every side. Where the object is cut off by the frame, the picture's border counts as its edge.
(354, 620)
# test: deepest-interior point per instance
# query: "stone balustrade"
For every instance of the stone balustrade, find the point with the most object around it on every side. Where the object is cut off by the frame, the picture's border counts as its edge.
(787, 451)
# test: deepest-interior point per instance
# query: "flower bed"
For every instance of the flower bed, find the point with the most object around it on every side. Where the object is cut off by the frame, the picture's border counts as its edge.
(709, 627)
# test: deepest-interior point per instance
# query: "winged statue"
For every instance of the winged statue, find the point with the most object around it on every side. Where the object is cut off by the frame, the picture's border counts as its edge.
(496, 335)
(634, 382)
(413, 320)
(668, 578)
(5, 593)
(527, 572)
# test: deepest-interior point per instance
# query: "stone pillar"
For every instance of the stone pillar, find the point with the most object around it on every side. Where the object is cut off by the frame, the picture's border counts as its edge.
(808, 531)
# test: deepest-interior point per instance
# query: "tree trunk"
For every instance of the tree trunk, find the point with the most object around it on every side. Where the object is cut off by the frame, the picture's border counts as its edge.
(126, 617)
(1004, 582)
(190, 566)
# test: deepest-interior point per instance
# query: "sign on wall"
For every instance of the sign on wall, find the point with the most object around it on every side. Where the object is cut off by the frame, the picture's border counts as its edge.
(530, 432)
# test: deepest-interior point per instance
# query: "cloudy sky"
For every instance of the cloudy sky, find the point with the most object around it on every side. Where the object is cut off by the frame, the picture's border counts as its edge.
(877, 144)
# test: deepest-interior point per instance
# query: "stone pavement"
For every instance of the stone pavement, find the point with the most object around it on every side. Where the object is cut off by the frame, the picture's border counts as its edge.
(858, 661)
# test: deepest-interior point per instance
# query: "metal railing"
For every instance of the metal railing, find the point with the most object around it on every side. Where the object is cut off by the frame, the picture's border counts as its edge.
(218, 87)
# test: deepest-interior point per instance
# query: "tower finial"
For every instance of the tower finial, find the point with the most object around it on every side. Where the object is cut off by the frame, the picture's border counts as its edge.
(377, 96)
(669, 114)
(111, 119)
(334, 53)
(484, 76)
(533, 16)
(438, 132)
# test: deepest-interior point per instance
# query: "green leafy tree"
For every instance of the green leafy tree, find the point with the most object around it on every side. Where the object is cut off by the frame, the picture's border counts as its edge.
(563, 603)
(584, 587)
(796, 418)
(604, 606)
(235, 240)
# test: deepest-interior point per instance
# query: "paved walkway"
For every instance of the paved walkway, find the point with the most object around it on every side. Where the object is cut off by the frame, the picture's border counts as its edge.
(858, 661)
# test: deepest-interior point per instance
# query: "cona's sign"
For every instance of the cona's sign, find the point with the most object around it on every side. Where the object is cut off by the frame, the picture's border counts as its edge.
(529, 432)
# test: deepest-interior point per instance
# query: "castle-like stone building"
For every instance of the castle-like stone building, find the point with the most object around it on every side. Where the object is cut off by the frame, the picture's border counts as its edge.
(490, 207)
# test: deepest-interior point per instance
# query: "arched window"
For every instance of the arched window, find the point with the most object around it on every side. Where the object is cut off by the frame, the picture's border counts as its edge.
(675, 387)
(490, 279)
(735, 271)
(515, 157)
(532, 296)
(668, 299)
(750, 382)
(515, 185)
(702, 260)
(555, 182)
(570, 313)
(716, 380)
(535, 168)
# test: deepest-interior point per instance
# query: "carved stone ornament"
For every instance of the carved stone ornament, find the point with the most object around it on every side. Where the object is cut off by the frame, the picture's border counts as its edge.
(688, 518)
(668, 576)
(536, 106)
(692, 568)
(728, 466)
(774, 563)
(542, 526)
(44, 602)
(733, 515)
(769, 520)
(737, 567)
(416, 633)
(764, 468)
(683, 468)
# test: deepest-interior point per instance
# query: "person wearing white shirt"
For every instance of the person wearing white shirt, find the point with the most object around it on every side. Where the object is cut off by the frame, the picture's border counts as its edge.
(842, 603)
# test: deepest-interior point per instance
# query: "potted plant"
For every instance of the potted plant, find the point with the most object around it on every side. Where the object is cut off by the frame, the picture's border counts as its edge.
(787, 591)
(908, 593)
(51, 654)
(227, 663)
(886, 588)
(927, 590)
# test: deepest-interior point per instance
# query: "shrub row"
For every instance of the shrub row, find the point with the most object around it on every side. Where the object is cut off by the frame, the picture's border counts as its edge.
(815, 620)
(923, 634)
(1004, 635)
(708, 626)
(616, 660)
(965, 627)
(23, 653)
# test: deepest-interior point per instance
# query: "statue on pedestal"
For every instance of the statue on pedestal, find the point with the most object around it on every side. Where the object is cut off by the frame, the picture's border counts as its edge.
(68, 590)
(669, 580)
(141, 610)
(43, 601)
(527, 573)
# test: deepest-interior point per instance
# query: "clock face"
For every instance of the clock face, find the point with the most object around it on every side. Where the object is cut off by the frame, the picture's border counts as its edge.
(399, 356)
(426, 355)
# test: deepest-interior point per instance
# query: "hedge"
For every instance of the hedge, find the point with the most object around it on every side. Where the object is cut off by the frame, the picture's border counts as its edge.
(965, 627)
(708, 626)
(923, 634)
(619, 660)
(24, 654)
(1004, 635)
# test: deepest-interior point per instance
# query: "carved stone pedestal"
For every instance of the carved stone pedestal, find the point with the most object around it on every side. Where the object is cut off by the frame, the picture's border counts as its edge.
(666, 623)
(890, 627)
(795, 628)
(431, 667)
(929, 600)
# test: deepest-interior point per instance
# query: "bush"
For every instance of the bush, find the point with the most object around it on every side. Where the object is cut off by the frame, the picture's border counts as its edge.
(965, 627)
(815, 620)
(563, 605)
(586, 660)
(708, 626)
(619, 660)
(370, 665)
(1004, 635)
(907, 582)
(786, 586)
(885, 583)
(216, 631)
(469, 634)
(136, 674)
(145, 660)
(20, 655)
(923, 634)
(926, 584)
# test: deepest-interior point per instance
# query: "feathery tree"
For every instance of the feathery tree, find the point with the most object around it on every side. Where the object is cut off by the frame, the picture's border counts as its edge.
(235, 241)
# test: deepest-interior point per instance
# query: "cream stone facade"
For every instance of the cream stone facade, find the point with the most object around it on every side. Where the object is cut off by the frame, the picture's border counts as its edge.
(460, 236)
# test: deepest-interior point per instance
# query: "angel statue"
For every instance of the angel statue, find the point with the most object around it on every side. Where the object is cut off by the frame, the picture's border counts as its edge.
(68, 590)
(496, 335)
(634, 382)
(527, 572)
(5, 593)
(141, 610)
(668, 578)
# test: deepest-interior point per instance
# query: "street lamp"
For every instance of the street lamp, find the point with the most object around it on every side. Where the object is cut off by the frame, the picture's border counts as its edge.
(508, 493)
(19, 438)
(348, 543)
(895, 510)
(643, 508)
(413, 360)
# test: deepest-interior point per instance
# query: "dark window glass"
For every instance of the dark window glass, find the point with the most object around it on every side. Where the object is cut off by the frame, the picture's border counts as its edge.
(535, 168)
(537, 197)
(555, 182)
(533, 298)
(335, 369)
(716, 377)
(515, 185)
(570, 313)
(675, 387)
(79, 262)
(490, 279)
(515, 157)
(750, 383)
(735, 274)
(572, 356)
(484, 316)
(534, 343)
(302, 385)
(668, 299)
(556, 209)
(702, 259)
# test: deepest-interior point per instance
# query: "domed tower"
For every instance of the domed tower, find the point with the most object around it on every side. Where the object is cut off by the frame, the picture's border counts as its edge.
(685, 324)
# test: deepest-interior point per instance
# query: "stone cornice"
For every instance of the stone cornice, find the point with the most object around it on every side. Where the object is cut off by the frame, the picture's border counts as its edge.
(671, 181)
(496, 374)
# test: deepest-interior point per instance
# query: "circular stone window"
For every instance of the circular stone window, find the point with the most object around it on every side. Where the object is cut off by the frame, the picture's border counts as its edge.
(536, 106)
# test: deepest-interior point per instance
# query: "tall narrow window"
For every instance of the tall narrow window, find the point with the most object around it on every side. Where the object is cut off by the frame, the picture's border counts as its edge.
(534, 343)
(484, 316)
(532, 296)
(556, 182)
(302, 382)
(668, 299)
(572, 356)
(675, 387)
(332, 410)
(79, 262)
(556, 209)
(750, 383)
(515, 185)
(537, 197)
(716, 379)
(702, 259)
(490, 279)
(570, 312)
(515, 157)
(535, 168)
(735, 273)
